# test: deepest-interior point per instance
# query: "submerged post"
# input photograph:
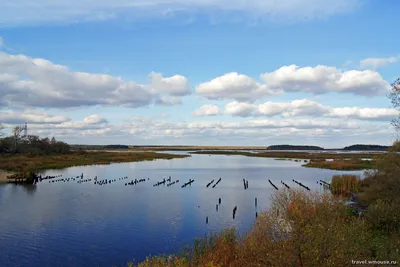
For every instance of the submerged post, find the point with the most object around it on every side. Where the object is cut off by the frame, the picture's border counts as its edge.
(219, 201)
(256, 202)
(207, 220)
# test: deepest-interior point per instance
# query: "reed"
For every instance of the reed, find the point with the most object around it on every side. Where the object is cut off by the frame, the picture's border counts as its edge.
(343, 185)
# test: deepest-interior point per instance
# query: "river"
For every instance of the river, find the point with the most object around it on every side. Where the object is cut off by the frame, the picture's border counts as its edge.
(85, 224)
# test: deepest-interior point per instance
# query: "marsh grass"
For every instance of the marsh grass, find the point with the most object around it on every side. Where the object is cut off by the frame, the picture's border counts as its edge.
(340, 161)
(25, 163)
(345, 184)
(342, 164)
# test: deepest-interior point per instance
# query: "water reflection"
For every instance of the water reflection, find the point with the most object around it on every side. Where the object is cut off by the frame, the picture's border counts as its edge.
(71, 224)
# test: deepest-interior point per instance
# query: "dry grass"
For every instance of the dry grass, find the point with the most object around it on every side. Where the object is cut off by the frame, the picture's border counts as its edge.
(24, 163)
(309, 230)
(345, 184)
(342, 164)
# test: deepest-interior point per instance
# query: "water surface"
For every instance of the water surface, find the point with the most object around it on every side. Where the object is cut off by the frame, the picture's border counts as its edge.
(72, 224)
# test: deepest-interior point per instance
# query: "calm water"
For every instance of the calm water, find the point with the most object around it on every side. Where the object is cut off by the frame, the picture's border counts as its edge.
(71, 224)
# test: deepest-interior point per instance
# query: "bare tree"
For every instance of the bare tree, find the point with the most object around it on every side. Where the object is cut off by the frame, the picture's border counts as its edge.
(394, 96)
(1, 130)
(16, 136)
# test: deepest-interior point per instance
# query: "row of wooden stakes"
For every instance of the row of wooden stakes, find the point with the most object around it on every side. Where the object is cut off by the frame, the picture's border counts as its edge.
(234, 209)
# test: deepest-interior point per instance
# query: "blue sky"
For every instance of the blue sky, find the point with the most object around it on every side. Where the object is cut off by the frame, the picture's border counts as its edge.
(261, 73)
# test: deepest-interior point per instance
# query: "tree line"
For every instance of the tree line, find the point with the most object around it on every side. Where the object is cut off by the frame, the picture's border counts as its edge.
(32, 144)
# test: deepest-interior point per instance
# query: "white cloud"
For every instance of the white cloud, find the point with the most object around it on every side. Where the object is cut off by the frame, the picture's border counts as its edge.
(376, 63)
(154, 130)
(165, 101)
(241, 109)
(1, 42)
(234, 86)
(324, 79)
(207, 110)
(301, 107)
(363, 113)
(90, 122)
(306, 108)
(176, 85)
(315, 80)
(22, 12)
(52, 85)
(94, 119)
(30, 116)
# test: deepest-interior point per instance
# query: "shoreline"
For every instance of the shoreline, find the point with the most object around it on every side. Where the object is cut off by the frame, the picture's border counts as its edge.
(4, 176)
(24, 163)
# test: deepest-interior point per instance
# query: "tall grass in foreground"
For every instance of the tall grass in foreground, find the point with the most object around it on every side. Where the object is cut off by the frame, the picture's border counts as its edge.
(300, 229)
(345, 184)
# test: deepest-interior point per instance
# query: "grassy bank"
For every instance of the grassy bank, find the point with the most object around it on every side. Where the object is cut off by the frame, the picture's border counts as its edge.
(24, 163)
(343, 164)
(340, 161)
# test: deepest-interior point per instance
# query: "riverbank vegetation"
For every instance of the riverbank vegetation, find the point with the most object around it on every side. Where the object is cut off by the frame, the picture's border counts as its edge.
(332, 161)
(25, 163)
(311, 229)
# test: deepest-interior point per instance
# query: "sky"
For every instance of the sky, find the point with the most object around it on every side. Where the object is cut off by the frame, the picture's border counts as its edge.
(200, 72)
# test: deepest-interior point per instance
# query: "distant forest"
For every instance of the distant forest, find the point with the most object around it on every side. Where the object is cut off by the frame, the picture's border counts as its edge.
(116, 146)
(290, 147)
(357, 147)
(367, 147)
(99, 146)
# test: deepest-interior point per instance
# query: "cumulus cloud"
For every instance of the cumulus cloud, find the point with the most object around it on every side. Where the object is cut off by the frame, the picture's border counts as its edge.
(315, 80)
(153, 130)
(376, 63)
(363, 113)
(234, 86)
(52, 85)
(1, 42)
(207, 110)
(94, 119)
(30, 116)
(303, 107)
(176, 85)
(307, 108)
(165, 101)
(90, 122)
(324, 79)
(241, 109)
(22, 12)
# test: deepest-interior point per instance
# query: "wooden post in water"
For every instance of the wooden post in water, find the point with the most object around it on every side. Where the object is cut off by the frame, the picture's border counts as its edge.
(216, 207)
(207, 220)
(219, 201)
(256, 202)
(256, 214)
